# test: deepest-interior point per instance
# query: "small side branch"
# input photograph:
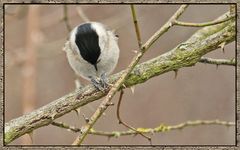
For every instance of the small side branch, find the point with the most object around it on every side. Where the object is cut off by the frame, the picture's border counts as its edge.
(65, 18)
(158, 129)
(231, 62)
(189, 24)
(136, 27)
(125, 124)
(81, 13)
(65, 126)
(165, 27)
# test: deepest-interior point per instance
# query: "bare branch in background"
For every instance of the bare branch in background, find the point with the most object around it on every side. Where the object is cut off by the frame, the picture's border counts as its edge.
(81, 13)
(14, 59)
(65, 18)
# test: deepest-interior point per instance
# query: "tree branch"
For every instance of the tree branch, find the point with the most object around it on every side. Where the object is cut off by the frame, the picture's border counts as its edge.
(158, 129)
(190, 24)
(184, 55)
(231, 62)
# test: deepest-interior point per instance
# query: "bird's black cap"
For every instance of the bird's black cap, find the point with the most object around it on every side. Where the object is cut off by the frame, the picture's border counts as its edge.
(88, 44)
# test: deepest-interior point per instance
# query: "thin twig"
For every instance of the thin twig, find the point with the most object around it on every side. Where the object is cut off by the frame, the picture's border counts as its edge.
(125, 124)
(82, 14)
(122, 92)
(231, 62)
(189, 24)
(103, 106)
(165, 27)
(65, 126)
(136, 27)
(158, 129)
(65, 18)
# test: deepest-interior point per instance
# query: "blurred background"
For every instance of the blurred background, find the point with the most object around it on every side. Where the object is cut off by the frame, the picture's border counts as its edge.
(37, 72)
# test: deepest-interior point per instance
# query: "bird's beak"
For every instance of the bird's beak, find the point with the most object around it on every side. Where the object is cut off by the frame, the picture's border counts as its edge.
(95, 66)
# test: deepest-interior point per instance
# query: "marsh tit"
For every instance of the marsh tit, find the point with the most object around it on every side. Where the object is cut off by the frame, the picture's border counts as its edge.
(93, 52)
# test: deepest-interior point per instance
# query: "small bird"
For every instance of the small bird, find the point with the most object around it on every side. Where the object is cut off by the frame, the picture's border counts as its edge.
(93, 52)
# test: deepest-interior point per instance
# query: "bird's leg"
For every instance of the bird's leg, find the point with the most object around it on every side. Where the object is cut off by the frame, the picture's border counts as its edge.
(96, 83)
(104, 80)
(102, 83)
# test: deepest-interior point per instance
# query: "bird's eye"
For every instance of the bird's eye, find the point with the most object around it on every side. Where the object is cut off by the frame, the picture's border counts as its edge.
(116, 35)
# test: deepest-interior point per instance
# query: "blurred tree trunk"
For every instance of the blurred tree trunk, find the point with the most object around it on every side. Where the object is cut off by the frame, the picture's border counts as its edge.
(29, 68)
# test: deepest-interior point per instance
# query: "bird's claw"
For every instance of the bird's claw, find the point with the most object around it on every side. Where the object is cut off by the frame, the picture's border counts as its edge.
(104, 80)
(100, 83)
(97, 84)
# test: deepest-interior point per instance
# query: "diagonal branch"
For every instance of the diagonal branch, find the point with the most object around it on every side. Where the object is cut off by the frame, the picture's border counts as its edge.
(184, 55)
(103, 106)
